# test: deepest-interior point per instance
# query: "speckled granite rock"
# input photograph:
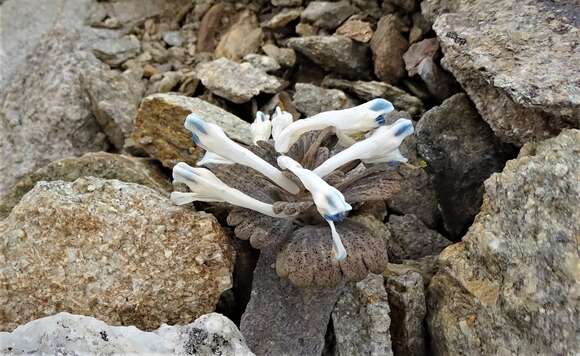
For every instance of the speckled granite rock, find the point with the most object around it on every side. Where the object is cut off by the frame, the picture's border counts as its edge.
(159, 127)
(236, 82)
(310, 99)
(511, 286)
(97, 164)
(517, 60)
(361, 319)
(118, 251)
(69, 334)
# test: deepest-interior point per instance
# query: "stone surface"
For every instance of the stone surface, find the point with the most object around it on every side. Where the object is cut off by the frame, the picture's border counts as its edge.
(115, 51)
(236, 82)
(361, 319)
(159, 127)
(210, 28)
(462, 152)
(326, 14)
(98, 164)
(357, 30)
(406, 292)
(366, 91)
(69, 334)
(285, 56)
(242, 38)
(388, 46)
(118, 251)
(36, 128)
(338, 54)
(413, 239)
(265, 63)
(283, 18)
(439, 83)
(420, 27)
(417, 52)
(286, 2)
(511, 286)
(311, 100)
(518, 63)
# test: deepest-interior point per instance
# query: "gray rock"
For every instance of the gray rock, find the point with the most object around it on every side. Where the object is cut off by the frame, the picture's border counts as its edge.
(97, 164)
(286, 2)
(407, 6)
(172, 38)
(361, 319)
(236, 82)
(406, 292)
(462, 152)
(285, 56)
(413, 239)
(420, 27)
(335, 53)
(388, 46)
(44, 112)
(439, 83)
(511, 286)
(265, 63)
(402, 100)
(115, 51)
(119, 251)
(518, 63)
(283, 18)
(69, 334)
(311, 100)
(326, 14)
(419, 51)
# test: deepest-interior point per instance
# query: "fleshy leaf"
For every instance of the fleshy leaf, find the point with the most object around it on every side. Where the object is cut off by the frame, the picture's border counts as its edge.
(260, 230)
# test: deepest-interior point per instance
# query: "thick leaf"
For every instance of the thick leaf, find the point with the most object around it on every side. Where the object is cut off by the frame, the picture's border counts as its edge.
(260, 230)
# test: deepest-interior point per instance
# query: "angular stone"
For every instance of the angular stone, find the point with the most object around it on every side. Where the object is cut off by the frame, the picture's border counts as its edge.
(159, 127)
(44, 112)
(408, 310)
(414, 240)
(242, 38)
(388, 46)
(69, 334)
(417, 52)
(265, 63)
(439, 83)
(511, 286)
(285, 56)
(283, 18)
(357, 30)
(462, 152)
(210, 27)
(420, 27)
(335, 53)
(402, 100)
(311, 100)
(115, 51)
(98, 164)
(518, 63)
(236, 82)
(119, 251)
(326, 14)
(172, 38)
(361, 319)
(286, 2)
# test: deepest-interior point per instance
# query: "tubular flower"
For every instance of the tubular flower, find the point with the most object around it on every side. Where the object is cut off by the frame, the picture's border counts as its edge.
(346, 122)
(212, 158)
(261, 128)
(280, 120)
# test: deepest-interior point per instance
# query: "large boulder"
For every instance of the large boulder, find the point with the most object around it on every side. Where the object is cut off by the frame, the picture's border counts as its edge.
(511, 286)
(117, 251)
(517, 60)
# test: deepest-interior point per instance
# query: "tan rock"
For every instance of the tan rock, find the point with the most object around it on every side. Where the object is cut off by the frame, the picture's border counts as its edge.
(242, 38)
(357, 30)
(120, 252)
(419, 51)
(159, 127)
(388, 46)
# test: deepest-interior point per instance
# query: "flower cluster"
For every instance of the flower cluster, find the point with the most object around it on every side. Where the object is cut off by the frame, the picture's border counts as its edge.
(322, 170)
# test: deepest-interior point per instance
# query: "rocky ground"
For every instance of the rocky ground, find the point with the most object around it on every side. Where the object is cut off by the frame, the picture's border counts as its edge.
(482, 236)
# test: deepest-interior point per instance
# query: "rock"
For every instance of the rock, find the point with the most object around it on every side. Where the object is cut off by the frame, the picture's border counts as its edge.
(283, 18)
(407, 6)
(326, 14)
(36, 128)
(242, 38)
(439, 83)
(357, 30)
(114, 99)
(420, 27)
(388, 46)
(68, 334)
(361, 319)
(167, 82)
(210, 27)
(511, 286)
(462, 152)
(408, 310)
(426, 267)
(236, 82)
(285, 56)
(98, 164)
(371, 90)
(305, 29)
(159, 127)
(119, 251)
(172, 38)
(286, 2)
(311, 100)
(115, 51)
(518, 63)
(413, 238)
(419, 51)
(265, 63)
(335, 53)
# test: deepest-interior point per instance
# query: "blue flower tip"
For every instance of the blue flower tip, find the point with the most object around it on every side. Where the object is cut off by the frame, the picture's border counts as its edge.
(404, 128)
(381, 105)
(192, 122)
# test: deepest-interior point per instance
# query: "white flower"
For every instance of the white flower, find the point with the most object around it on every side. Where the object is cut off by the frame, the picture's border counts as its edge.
(330, 202)
(261, 127)
(212, 158)
(280, 120)
(381, 147)
(346, 122)
(206, 187)
(212, 138)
